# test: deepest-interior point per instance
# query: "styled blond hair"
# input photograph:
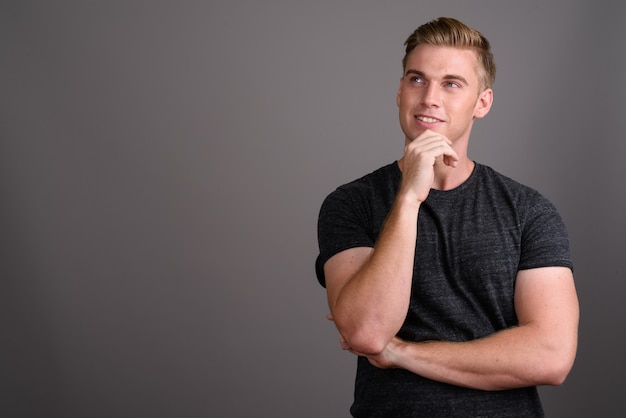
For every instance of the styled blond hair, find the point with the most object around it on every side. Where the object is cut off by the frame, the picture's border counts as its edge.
(446, 31)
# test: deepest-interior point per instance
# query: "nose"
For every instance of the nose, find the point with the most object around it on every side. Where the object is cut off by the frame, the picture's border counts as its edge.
(431, 96)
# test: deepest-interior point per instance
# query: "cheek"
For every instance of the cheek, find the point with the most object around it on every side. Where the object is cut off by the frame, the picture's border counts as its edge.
(405, 101)
(463, 110)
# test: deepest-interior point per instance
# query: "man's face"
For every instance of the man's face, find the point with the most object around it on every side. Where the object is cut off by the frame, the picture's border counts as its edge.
(440, 91)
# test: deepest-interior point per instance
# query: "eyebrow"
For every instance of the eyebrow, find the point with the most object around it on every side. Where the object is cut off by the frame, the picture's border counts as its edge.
(445, 77)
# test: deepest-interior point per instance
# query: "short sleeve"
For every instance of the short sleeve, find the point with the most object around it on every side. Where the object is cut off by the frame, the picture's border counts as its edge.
(343, 223)
(545, 241)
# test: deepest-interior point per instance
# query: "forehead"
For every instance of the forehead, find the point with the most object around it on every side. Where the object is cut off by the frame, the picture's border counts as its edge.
(440, 61)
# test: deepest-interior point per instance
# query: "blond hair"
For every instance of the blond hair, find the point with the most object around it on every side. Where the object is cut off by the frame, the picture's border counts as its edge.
(446, 31)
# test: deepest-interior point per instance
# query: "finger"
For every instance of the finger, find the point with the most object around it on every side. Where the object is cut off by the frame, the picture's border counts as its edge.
(434, 145)
(426, 135)
(450, 159)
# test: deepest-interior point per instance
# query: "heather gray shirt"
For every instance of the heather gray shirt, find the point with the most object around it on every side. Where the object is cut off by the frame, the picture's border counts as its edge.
(471, 243)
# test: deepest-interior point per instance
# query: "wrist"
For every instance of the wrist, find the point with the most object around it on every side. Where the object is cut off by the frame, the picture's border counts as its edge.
(396, 351)
(407, 198)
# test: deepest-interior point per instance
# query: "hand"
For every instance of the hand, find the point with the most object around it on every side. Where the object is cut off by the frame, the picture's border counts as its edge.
(387, 359)
(420, 156)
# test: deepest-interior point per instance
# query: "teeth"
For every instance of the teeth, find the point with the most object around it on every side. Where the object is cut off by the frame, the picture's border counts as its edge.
(427, 120)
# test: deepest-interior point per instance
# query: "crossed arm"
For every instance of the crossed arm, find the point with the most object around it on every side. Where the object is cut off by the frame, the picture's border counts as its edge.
(539, 351)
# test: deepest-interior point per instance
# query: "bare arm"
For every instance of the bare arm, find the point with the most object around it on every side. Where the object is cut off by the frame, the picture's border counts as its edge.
(369, 289)
(540, 351)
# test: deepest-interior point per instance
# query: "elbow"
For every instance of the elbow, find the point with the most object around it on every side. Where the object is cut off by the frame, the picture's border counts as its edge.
(368, 346)
(557, 368)
(554, 378)
(557, 374)
(366, 341)
(368, 337)
(554, 360)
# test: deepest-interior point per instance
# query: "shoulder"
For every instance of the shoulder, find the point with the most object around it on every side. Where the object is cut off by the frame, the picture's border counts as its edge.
(351, 215)
(543, 235)
(384, 176)
(383, 181)
(509, 197)
(493, 181)
(487, 174)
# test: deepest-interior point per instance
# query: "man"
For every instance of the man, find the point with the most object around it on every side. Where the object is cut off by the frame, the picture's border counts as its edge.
(451, 282)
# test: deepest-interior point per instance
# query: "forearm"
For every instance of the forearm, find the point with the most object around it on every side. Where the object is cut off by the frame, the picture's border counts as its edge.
(517, 357)
(539, 351)
(371, 307)
(369, 298)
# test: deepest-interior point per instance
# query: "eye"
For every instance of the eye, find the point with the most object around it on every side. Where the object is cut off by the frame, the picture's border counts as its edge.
(416, 79)
(451, 84)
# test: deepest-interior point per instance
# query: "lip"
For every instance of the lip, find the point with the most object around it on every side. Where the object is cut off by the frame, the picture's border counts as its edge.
(427, 120)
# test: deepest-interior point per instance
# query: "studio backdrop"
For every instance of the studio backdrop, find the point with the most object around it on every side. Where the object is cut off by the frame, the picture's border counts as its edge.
(162, 165)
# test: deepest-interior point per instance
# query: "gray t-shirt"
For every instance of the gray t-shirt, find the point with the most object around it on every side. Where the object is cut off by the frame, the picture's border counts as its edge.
(471, 243)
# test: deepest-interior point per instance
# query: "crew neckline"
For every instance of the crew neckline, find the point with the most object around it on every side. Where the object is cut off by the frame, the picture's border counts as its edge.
(458, 188)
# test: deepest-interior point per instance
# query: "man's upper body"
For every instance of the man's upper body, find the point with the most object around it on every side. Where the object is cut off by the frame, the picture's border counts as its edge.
(472, 242)
(377, 290)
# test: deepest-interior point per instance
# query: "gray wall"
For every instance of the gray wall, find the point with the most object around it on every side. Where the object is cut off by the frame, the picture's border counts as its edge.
(162, 165)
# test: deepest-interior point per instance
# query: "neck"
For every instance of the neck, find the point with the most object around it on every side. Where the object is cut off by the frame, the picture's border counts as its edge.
(448, 178)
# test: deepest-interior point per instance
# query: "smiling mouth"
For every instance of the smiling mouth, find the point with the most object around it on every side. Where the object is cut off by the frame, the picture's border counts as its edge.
(427, 119)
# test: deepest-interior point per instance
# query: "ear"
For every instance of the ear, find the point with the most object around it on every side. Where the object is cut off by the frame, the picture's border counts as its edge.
(399, 92)
(483, 104)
